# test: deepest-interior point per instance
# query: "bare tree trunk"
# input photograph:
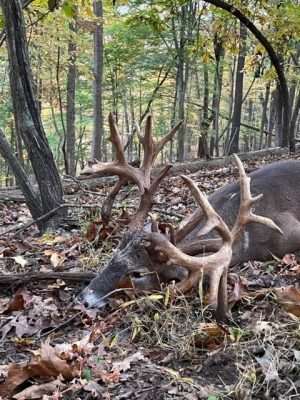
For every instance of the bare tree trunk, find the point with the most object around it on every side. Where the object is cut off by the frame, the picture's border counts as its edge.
(272, 116)
(278, 122)
(264, 115)
(63, 137)
(295, 114)
(70, 116)
(27, 113)
(230, 106)
(219, 54)
(238, 97)
(186, 25)
(204, 119)
(98, 133)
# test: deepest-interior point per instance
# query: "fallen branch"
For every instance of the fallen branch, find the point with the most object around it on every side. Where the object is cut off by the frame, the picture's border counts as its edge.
(39, 276)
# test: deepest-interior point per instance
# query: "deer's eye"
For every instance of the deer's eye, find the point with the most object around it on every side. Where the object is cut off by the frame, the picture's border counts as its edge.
(136, 274)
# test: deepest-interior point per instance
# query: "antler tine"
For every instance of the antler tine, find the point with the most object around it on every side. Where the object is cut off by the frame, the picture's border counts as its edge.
(115, 139)
(160, 144)
(245, 214)
(152, 147)
(214, 221)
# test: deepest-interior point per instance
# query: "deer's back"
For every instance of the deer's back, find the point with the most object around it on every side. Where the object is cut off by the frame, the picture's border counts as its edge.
(279, 183)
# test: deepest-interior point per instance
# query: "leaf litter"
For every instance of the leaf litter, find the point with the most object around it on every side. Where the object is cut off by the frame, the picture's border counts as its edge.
(158, 347)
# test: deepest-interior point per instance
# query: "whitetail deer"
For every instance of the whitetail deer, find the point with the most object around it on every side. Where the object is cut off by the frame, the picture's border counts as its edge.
(185, 256)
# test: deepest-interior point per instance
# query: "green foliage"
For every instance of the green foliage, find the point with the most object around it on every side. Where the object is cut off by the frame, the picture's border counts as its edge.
(139, 47)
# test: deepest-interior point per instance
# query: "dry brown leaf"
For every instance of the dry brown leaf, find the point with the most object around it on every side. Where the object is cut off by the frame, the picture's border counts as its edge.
(124, 365)
(38, 391)
(56, 258)
(38, 317)
(239, 289)
(21, 301)
(289, 259)
(289, 298)
(46, 364)
(110, 377)
(209, 335)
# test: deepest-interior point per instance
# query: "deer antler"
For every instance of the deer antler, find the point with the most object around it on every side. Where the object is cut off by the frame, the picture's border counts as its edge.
(140, 176)
(215, 266)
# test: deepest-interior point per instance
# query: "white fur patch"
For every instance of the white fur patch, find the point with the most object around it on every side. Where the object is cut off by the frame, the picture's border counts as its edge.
(246, 240)
(232, 196)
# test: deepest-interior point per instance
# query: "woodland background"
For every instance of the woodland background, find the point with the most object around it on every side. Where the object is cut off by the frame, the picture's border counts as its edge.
(188, 61)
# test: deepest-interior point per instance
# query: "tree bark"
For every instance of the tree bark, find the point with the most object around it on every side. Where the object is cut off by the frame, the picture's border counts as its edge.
(98, 78)
(264, 116)
(238, 96)
(16, 168)
(27, 114)
(70, 115)
(204, 120)
(219, 54)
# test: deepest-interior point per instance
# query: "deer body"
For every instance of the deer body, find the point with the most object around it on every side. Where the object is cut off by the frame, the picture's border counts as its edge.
(279, 183)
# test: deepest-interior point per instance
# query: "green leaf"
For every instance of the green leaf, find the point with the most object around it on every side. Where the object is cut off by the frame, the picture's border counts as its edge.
(69, 10)
(87, 374)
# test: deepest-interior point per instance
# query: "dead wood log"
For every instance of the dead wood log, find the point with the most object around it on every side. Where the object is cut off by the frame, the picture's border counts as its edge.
(22, 279)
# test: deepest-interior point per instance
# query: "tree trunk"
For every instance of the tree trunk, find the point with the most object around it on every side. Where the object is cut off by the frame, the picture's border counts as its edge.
(272, 116)
(238, 96)
(182, 84)
(295, 114)
(264, 115)
(219, 54)
(70, 117)
(278, 121)
(98, 77)
(230, 105)
(27, 115)
(204, 120)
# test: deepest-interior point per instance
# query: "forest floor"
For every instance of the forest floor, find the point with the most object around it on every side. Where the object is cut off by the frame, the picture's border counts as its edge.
(153, 346)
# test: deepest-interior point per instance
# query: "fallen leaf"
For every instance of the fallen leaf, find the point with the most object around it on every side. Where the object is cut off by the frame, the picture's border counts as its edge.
(289, 259)
(208, 335)
(268, 362)
(38, 391)
(110, 377)
(20, 260)
(239, 289)
(289, 298)
(124, 365)
(21, 301)
(46, 364)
